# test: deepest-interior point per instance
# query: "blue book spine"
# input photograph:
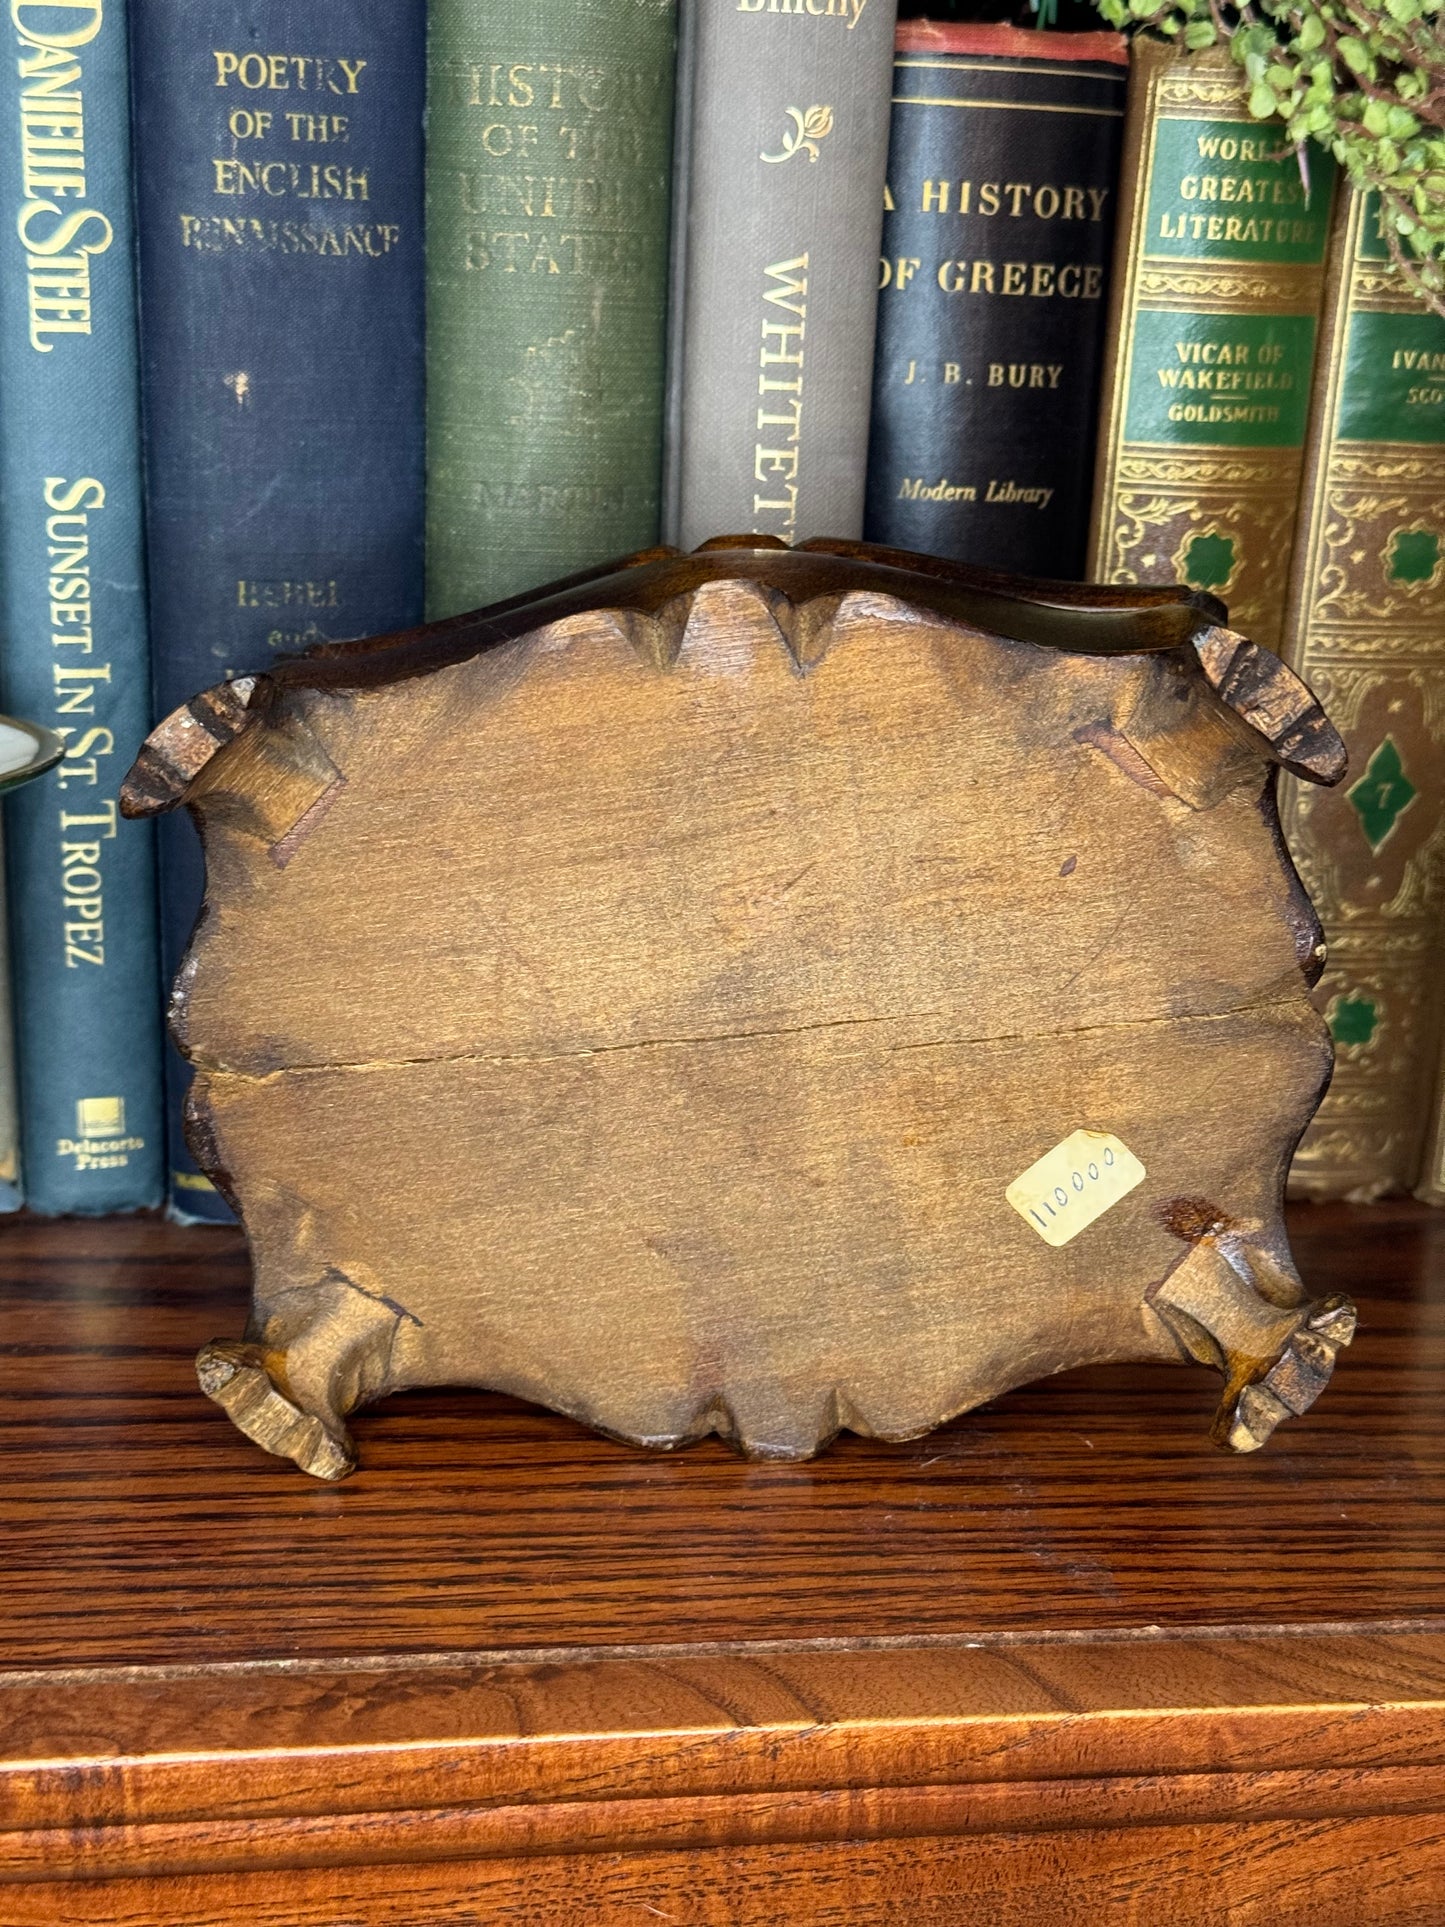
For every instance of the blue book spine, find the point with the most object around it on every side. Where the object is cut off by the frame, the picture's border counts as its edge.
(11, 1197)
(279, 198)
(73, 647)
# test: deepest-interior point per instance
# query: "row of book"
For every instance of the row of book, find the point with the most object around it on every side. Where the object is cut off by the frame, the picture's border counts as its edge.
(785, 266)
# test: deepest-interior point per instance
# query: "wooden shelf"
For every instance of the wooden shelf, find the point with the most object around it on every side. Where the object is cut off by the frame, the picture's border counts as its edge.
(1059, 1662)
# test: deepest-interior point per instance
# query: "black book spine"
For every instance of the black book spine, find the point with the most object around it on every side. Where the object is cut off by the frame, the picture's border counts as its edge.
(1002, 179)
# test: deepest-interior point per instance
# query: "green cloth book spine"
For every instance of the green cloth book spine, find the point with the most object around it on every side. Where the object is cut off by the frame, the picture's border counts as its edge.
(1214, 306)
(1365, 626)
(549, 152)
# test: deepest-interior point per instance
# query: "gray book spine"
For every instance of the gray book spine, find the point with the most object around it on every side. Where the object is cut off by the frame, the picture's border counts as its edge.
(778, 199)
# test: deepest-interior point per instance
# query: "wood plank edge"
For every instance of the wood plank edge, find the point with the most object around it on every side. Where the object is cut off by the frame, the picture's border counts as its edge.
(795, 1817)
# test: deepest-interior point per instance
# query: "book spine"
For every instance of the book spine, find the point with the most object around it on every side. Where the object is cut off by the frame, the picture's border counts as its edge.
(679, 201)
(1430, 1183)
(75, 653)
(1365, 626)
(1219, 261)
(772, 374)
(549, 146)
(279, 183)
(11, 1195)
(997, 238)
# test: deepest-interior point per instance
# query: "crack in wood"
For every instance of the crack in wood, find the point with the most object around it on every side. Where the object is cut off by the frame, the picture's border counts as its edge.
(982, 1040)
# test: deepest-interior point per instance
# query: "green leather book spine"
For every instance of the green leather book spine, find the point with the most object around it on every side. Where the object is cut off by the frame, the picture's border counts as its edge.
(549, 148)
(1214, 304)
(1365, 626)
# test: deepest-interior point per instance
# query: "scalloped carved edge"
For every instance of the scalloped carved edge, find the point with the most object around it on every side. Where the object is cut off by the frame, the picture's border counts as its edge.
(650, 597)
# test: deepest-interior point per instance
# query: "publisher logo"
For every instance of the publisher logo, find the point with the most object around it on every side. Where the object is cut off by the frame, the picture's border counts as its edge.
(100, 1117)
(100, 1142)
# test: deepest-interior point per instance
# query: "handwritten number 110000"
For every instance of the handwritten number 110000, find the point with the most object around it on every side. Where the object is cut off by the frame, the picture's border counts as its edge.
(1079, 1181)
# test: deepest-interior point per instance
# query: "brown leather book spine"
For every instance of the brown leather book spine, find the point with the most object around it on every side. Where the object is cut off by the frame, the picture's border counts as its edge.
(1430, 1186)
(1365, 626)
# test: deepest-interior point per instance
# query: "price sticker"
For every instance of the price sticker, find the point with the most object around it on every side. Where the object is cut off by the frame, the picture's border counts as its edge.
(1076, 1182)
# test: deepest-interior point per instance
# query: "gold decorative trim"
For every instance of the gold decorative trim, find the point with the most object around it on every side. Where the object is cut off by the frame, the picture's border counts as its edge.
(1283, 290)
(1005, 106)
(1350, 585)
(1377, 284)
(1188, 91)
(1276, 468)
(1421, 587)
(1387, 462)
(810, 125)
(1152, 524)
(1212, 530)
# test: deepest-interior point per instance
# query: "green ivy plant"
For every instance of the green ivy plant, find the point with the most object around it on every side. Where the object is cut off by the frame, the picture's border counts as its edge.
(1364, 78)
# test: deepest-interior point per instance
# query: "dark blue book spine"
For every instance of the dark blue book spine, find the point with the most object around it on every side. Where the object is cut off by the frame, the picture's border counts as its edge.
(1003, 172)
(11, 1197)
(279, 191)
(73, 651)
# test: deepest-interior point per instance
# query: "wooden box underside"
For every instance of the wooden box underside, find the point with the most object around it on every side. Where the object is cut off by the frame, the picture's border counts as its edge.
(647, 1013)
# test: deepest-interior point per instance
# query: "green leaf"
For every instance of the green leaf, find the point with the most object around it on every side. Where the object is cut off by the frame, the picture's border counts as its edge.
(1317, 66)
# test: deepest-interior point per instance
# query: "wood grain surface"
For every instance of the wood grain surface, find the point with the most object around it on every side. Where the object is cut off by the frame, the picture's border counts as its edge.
(1062, 1662)
(1091, 1501)
(686, 1083)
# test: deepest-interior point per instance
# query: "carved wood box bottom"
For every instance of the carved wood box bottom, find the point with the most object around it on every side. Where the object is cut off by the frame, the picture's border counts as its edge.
(765, 992)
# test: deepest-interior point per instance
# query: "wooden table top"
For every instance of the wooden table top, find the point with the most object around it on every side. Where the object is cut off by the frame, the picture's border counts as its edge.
(140, 1528)
(1060, 1663)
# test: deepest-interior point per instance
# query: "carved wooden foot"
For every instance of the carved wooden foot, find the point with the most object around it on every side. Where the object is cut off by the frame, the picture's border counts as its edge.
(235, 1376)
(1232, 1305)
(318, 1352)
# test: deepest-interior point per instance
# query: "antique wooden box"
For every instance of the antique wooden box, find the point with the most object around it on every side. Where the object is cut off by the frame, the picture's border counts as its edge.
(763, 991)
